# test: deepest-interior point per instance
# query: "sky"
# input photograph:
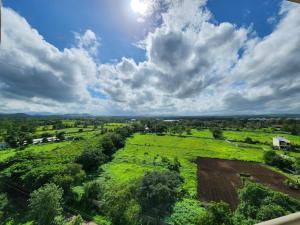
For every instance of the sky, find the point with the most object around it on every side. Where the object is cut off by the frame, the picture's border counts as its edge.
(150, 57)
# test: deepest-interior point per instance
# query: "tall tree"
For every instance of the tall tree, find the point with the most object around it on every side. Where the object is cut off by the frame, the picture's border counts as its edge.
(46, 204)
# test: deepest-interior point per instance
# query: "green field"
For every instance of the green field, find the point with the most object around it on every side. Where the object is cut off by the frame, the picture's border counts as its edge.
(143, 153)
(263, 137)
(66, 130)
(112, 126)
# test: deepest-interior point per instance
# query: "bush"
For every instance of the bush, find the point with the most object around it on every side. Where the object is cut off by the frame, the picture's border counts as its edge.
(294, 185)
(218, 213)
(273, 159)
(187, 211)
(249, 140)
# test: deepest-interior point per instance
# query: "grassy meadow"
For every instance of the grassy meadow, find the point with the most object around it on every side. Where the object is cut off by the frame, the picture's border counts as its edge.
(260, 136)
(144, 153)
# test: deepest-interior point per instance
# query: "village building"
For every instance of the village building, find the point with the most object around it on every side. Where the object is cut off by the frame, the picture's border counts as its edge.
(281, 143)
(40, 140)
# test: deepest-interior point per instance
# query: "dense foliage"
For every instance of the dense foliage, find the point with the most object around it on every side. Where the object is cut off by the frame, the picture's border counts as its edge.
(157, 194)
(46, 204)
(258, 203)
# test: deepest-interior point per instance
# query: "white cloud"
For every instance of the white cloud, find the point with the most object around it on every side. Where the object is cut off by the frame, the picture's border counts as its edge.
(32, 68)
(193, 66)
(88, 41)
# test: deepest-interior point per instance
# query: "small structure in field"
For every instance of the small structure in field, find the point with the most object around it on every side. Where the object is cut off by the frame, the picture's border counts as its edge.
(41, 140)
(3, 145)
(281, 143)
(147, 129)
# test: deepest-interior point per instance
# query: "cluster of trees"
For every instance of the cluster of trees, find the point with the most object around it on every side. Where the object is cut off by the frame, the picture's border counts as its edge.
(282, 162)
(216, 132)
(258, 203)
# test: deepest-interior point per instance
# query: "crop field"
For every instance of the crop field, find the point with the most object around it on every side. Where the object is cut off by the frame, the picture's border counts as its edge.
(66, 130)
(260, 136)
(144, 152)
(220, 179)
(113, 126)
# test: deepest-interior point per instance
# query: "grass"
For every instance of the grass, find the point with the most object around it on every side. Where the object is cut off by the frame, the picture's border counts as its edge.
(66, 130)
(144, 152)
(5, 154)
(113, 126)
(261, 136)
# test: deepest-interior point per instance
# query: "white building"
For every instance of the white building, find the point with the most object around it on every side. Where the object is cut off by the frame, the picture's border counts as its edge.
(40, 140)
(281, 142)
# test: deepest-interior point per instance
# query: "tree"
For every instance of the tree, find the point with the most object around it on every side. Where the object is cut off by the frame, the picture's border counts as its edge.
(61, 136)
(120, 202)
(46, 203)
(72, 174)
(91, 160)
(157, 194)
(93, 191)
(108, 146)
(12, 141)
(217, 133)
(117, 140)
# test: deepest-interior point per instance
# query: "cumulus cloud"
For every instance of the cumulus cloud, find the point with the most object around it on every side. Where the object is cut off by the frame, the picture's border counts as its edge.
(192, 66)
(271, 68)
(31, 68)
(88, 41)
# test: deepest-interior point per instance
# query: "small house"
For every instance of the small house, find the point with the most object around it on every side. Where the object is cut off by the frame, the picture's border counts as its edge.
(281, 143)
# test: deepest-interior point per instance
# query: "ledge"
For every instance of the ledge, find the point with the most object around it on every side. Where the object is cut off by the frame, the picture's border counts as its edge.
(292, 219)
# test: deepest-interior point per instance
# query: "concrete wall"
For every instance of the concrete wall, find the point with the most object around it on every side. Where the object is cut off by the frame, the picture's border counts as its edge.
(292, 219)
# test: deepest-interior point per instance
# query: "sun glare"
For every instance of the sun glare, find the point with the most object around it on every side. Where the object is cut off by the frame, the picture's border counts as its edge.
(139, 6)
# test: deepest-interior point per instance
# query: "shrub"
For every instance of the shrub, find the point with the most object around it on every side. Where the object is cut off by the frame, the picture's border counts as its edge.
(187, 211)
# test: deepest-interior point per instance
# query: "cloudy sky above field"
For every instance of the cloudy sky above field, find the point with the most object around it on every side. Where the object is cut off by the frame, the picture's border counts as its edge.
(150, 57)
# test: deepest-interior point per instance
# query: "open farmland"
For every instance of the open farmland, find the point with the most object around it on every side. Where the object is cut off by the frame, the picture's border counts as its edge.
(259, 136)
(144, 152)
(220, 179)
